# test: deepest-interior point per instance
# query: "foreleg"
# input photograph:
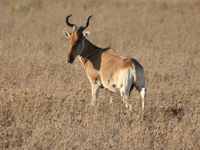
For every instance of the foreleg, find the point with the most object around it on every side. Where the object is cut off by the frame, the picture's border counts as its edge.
(95, 93)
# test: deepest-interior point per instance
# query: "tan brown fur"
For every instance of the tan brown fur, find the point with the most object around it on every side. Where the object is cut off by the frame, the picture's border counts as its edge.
(105, 68)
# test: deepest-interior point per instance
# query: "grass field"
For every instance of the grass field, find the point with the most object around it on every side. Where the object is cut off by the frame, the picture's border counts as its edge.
(44, 102)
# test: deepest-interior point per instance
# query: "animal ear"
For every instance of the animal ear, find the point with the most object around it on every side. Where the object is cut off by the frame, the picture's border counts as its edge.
(66, 34)
(86, 34)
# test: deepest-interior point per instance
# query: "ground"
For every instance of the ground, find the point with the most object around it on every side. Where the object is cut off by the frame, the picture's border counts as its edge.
(44, 102)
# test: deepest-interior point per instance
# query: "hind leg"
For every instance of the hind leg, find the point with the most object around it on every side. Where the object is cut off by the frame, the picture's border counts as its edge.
(125, 97)
(111, 96)
(142, 92)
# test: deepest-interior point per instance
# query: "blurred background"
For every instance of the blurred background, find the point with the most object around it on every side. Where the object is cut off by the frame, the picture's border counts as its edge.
(44, 102)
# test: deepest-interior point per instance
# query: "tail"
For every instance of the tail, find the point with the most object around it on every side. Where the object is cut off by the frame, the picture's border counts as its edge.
(140, 81)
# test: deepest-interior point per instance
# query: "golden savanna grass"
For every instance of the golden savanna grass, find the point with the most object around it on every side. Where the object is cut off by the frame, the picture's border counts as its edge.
(44, 102)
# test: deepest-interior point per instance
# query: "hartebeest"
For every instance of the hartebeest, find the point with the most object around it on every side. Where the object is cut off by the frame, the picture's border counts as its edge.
(104, 67)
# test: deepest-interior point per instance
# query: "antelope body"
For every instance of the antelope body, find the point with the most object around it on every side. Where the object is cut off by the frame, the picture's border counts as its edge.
(104, 67)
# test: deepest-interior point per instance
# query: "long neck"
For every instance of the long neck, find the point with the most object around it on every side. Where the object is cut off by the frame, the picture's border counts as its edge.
(89, 48)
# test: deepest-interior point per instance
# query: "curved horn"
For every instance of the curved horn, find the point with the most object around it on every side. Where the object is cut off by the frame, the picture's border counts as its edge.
(83, 27)
(69, 24)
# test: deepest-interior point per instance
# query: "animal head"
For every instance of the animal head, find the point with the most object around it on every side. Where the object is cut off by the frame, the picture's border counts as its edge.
(77, 39)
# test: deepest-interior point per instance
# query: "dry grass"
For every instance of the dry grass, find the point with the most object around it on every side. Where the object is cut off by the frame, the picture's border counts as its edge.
(44, 102)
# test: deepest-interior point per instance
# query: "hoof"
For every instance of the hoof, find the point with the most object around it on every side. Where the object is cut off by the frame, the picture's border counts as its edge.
(92, 104)
(128, 106)
(111, 101)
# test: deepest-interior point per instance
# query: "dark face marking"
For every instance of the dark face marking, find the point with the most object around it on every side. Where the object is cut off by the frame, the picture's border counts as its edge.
(76, 39)
(74, 49)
